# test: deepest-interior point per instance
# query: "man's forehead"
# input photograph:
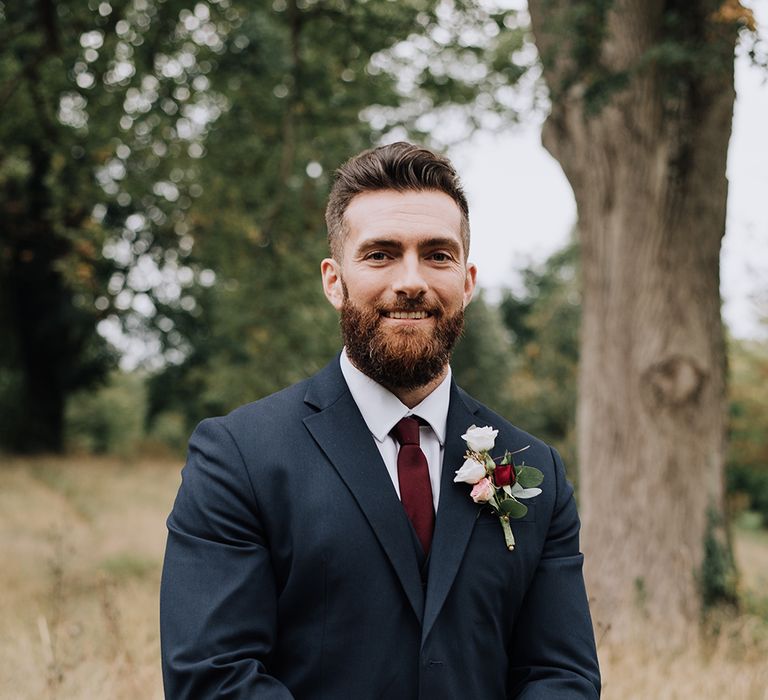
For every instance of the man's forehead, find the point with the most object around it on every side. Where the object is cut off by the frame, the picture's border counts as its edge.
(407, 211)
(406, 200)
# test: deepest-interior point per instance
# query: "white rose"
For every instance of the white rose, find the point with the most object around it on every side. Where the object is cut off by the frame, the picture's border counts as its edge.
(480, 439)
(471, 472)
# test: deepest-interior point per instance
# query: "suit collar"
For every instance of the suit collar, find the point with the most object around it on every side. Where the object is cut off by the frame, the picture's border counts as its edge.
(339, 430)
(327, 386)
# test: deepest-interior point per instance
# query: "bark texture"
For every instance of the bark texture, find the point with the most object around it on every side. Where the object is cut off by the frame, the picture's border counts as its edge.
(643, 139)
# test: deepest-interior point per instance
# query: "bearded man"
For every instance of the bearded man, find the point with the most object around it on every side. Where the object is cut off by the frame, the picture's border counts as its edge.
(323, 546)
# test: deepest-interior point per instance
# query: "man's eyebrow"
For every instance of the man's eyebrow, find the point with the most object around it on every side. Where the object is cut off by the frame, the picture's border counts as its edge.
(440, 243)
(436, 242)
(380, 243)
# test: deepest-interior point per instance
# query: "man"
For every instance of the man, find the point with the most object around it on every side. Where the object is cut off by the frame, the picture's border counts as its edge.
(319, 546)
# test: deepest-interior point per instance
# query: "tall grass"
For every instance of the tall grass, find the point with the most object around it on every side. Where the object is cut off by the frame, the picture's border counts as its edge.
(81, 544)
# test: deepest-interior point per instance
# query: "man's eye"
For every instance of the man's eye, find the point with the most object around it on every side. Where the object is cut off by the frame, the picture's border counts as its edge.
(440, 257)
(377, 256)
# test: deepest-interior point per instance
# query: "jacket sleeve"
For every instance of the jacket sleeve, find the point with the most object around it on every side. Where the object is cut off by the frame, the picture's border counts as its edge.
(553, 651)
(218, 600)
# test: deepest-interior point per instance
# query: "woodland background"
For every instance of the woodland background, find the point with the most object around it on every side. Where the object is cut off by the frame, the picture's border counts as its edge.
(163, 172)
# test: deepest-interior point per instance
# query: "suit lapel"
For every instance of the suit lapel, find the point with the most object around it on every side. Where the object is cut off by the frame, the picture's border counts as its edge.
(340, 431)
(456, 512)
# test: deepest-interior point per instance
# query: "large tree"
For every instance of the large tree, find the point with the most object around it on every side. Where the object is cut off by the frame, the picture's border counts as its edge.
(103, 109)
(642, 100)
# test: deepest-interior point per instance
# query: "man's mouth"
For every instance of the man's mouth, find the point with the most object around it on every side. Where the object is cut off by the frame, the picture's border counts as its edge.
(407, 314)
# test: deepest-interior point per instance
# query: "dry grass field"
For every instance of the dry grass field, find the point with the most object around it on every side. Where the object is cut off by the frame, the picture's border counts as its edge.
(81, 543)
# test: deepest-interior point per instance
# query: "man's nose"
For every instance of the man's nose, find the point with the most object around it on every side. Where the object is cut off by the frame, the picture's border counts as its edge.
(410, 280)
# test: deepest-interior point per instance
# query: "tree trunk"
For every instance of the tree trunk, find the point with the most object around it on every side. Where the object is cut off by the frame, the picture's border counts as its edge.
(37, 303)
(37, 293)
(51, 345)
(647, 167)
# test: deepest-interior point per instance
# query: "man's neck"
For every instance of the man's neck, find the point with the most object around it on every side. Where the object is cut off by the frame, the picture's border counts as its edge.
(413, 397)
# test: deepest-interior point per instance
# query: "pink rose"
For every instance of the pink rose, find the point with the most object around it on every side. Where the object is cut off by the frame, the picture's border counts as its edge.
(482, 491)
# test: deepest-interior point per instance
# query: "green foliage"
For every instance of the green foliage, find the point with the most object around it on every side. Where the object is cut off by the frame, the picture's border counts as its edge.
(296, 80)
(543, 321)
(128, 565)
(683, 44)
(482, 361)
(641, 594)
(717, 577)
(91, 181)
(750, 482)
(521, 356)
(747, 459)
(169, 430)
(109, 419)
(513, 508)
(529, 477)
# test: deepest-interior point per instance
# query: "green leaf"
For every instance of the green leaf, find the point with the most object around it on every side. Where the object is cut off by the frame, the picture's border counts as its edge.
(529, 477)
(513, 508)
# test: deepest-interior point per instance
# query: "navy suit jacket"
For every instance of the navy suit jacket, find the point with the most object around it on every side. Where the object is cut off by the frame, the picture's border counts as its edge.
(291, 569)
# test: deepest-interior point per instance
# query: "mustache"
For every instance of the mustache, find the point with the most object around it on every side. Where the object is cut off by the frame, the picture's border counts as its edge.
(408, 305)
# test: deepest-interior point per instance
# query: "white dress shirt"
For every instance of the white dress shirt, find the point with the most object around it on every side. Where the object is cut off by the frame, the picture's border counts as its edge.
(382, 410)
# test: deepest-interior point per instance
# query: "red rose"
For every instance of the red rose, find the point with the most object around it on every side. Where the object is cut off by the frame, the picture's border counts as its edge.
(504, 475)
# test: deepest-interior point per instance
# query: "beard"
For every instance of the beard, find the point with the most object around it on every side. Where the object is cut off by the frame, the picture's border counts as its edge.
(400, 358)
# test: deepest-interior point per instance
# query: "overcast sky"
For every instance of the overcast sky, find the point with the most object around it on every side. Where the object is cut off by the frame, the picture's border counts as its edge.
(522, 207)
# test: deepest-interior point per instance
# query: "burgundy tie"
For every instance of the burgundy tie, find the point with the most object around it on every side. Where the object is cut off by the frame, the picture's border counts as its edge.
(413, 475)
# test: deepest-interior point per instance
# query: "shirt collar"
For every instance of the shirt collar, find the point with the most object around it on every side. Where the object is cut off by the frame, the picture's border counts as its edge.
(381, 409)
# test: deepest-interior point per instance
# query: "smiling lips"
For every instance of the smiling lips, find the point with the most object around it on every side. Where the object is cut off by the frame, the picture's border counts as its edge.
(407, 314)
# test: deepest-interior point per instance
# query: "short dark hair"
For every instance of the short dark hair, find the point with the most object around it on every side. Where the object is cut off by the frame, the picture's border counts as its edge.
(398, 166)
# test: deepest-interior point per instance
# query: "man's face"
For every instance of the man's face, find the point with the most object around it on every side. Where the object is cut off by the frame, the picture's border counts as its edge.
(402, 284)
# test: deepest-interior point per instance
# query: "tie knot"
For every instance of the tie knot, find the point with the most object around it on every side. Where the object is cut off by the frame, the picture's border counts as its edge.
(406, 432)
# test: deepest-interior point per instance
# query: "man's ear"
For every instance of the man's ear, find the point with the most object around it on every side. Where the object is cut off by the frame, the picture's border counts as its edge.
(469, 283)
(330, 270)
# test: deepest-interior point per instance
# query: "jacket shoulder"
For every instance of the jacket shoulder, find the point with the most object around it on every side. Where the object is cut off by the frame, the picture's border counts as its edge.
(291, 405)
(282, 404)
